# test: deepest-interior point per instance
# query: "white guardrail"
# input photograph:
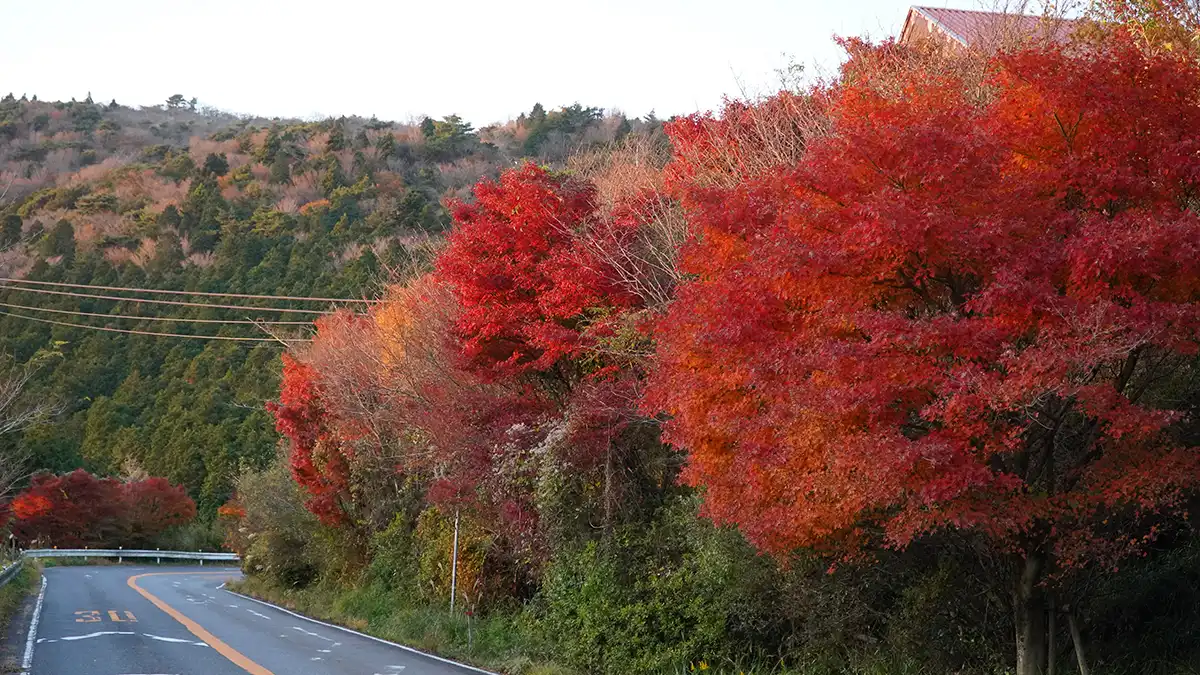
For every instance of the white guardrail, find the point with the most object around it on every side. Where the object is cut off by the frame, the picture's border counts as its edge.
(11, 571)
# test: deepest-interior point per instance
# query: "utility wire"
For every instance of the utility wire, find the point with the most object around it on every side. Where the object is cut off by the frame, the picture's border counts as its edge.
(193, 293)
(143, 332)
(183, 303)
(157, 318)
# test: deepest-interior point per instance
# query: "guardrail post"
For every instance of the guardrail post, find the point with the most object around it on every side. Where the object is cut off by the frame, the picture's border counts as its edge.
(158, 560)
(202, 559)
(119, 558)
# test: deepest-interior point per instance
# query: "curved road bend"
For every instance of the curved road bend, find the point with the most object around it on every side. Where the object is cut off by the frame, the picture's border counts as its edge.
(177, 621)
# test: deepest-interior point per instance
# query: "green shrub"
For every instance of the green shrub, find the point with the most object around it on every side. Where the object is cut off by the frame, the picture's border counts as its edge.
(394, 558)
(650, 599)
(279, 526)
(194, 536)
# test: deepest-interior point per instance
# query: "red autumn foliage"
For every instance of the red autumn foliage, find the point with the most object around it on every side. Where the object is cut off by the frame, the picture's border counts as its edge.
(153, 505)
(955, 311)
(78, 509)
(231, 510)
(318, 461)
(524, 285)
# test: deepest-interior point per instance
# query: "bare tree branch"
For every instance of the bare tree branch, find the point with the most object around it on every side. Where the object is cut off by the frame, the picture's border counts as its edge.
(16, 414)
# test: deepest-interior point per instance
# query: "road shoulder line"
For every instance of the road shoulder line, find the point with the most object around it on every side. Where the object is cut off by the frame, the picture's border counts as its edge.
(31, 638)
(354, 632)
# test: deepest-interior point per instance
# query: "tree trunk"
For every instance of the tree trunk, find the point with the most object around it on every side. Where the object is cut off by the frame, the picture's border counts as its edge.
(1029, 604)
(1051, 648)
(608, 488)
(1077, 641)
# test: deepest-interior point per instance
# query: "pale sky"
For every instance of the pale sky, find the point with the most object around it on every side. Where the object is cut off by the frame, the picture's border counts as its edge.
(486, 61)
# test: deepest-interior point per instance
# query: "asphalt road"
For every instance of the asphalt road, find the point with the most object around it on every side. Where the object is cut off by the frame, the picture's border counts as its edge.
(178, 621)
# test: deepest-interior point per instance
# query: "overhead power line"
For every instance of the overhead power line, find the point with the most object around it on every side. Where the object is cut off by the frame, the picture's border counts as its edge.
(144, 332)
(181, 303)
(250, 322)
(191, 293)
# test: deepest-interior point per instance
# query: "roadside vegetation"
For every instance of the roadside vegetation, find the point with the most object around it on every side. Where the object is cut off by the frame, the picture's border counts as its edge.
(13, 594)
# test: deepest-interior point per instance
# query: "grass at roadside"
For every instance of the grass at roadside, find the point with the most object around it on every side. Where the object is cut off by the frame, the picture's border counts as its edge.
(12, 595)
(504, 644)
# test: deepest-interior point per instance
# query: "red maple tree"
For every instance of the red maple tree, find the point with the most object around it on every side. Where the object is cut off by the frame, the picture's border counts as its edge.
(78, 510)
(72, 511)
(318, 461)
(972, 304)
(152, 506)
(525, 287)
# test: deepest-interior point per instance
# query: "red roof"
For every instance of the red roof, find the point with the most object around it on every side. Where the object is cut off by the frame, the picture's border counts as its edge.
(968, 27)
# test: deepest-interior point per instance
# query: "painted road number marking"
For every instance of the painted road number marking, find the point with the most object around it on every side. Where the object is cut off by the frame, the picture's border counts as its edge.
(94, 616)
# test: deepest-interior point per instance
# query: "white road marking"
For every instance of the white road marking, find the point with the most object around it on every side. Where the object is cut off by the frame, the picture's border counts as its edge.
(27, 662)
(170, 639)
(325, 651)
(315, 658)
(320, 637)
(102, 633)
(261, 616)
(364, 635)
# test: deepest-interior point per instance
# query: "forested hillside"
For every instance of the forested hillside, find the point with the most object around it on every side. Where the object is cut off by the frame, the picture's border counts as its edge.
(173, 198)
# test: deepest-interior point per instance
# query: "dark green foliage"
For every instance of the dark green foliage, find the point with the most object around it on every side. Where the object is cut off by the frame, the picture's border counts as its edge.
(1143, 618)
(428, 127)
(386, 145)
(448, 139)
(10, 230)
(59, 240)
(178, 166)
(649, 600)
(96, 203)
(281, 171)
(562, 122)
(86, 117)
(217, 165)
(624, 128)
(337, 137)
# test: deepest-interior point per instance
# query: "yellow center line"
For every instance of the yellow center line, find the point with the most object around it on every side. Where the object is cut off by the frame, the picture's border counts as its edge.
(196, 629)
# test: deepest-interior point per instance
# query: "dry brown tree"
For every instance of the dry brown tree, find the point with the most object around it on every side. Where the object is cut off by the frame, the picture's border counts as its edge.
(18, 412)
